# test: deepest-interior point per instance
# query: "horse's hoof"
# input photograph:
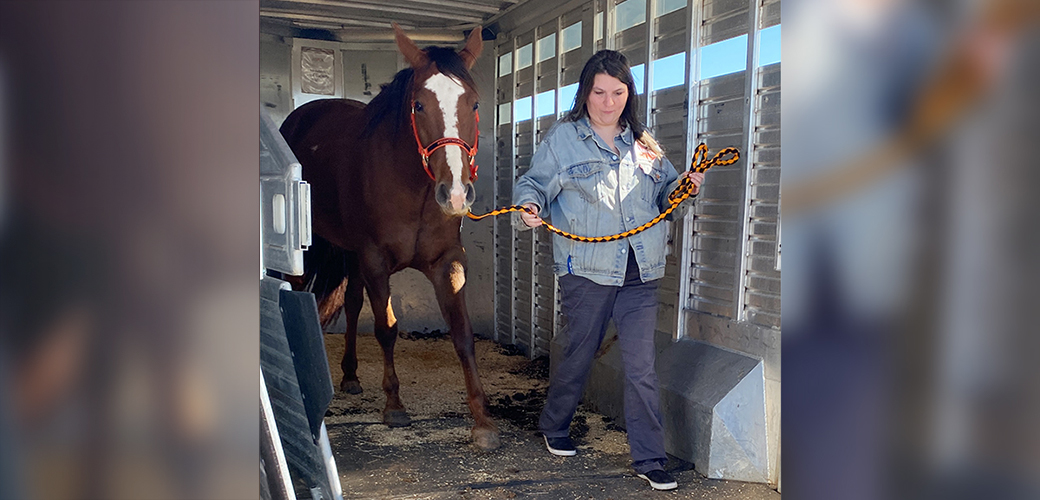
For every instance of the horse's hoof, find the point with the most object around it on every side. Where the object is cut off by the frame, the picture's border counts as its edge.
(485, 439)
(396, 418)
(350, 386)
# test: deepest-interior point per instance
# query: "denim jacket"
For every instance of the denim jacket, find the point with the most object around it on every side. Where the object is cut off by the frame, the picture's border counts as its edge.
(591, 191)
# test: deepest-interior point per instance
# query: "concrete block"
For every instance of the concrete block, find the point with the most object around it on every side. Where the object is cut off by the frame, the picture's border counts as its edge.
(712, 401)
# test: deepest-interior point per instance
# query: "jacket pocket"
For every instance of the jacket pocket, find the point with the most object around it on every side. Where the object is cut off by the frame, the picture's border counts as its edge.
(587, 178)
(652, 182)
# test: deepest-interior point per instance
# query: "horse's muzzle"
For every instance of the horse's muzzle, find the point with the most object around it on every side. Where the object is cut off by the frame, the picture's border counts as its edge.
(455, 202)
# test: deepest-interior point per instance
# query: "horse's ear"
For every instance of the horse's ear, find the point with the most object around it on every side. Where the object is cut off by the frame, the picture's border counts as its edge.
(474, 45)
(412, 53)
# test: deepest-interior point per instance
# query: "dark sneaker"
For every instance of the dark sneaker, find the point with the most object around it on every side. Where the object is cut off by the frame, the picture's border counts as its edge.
(660, 480)
(561, 446)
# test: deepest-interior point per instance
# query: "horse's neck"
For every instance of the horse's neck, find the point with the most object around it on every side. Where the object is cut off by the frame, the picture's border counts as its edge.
(391, 176)
(400, 160)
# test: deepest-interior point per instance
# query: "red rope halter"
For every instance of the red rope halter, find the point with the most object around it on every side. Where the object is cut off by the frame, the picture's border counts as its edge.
(426, 152)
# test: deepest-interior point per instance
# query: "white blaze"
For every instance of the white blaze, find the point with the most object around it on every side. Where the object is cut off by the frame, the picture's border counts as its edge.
(448, 92)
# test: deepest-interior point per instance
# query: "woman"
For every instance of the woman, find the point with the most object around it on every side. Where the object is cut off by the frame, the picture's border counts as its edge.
(598, 172)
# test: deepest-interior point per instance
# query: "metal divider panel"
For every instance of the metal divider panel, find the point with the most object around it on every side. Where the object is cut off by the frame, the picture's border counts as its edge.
(723, 19)
(302, 454)
(503, 162)
(667, 122)
(721, 106)
(544, 124)
(632, 43)
(524, 54)
(504, 278)
(545, 293)
(770, 14)
(524, 146)
(546, 75)
(504, 84)
(524, 85)
(523, 258)
(762, 298)
(575, 16)
(717, 226)
(285, 203)
(668, 303)
(523, 288)
(546, 54)
(504, 177)
(769, 100)
(572, 61)
(524, 151)
(504, 283)
(503, 196)
(670, 30)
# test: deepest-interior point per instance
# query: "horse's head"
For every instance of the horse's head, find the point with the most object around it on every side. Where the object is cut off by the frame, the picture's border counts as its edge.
(443, 101)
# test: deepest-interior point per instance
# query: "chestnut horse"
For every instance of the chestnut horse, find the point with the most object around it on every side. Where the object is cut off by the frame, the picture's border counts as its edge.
(390, 183)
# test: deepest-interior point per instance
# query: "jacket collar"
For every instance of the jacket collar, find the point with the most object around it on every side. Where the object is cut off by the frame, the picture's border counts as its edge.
(585, 131)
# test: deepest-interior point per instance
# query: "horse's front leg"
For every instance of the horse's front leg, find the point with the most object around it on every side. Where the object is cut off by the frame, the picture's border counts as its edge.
(448, 276)
(377, 283)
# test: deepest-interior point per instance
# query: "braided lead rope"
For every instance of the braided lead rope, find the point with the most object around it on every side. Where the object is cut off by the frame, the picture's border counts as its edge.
(699, 164)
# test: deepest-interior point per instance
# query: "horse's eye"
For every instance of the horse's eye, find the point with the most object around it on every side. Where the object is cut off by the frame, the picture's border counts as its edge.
(417, 106)
(475, 105)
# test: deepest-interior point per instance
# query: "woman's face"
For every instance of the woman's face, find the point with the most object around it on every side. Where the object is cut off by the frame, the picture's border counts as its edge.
(606, 100)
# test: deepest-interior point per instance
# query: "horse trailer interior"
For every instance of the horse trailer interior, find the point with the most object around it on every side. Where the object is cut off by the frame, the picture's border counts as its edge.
(708, 71)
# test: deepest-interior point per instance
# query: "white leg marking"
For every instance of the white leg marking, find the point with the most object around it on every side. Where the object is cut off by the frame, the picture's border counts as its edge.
(457, 276)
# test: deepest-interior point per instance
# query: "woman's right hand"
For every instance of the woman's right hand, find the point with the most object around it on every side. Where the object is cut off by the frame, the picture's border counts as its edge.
(531, 220)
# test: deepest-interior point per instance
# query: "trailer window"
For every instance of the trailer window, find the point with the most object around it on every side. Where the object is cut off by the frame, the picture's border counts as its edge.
(505, 113)
(547, 47)
(666, 6)
(522, 110)
(769, 46)
(523, 57)
(669, 71)
(725, 57)
(545, 103)
(571, 37)
(637, 75)
(505, 64)
(567, 95)
(629, 13)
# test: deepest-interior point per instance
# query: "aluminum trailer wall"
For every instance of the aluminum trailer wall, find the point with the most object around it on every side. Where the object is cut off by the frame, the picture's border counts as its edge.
(722, 285)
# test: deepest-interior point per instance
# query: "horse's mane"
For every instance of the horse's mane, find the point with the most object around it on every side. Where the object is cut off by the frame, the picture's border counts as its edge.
(393, 100)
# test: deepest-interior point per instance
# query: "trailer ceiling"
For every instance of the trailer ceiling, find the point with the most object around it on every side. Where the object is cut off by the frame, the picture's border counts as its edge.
(370, 20)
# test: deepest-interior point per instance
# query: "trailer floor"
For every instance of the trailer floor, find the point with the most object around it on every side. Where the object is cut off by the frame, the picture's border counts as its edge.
(433, 458)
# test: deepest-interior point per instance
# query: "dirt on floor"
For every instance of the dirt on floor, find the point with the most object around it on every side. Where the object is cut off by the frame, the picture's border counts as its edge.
(433, 457)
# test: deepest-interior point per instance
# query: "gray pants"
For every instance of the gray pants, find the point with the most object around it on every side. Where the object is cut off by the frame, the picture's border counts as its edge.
(587, 307)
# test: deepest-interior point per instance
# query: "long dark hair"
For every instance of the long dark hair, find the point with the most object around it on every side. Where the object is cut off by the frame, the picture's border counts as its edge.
(615, 64)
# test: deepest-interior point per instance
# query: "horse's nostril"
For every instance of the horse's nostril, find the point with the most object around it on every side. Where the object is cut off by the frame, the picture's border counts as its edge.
(471, 194)
(442, 194)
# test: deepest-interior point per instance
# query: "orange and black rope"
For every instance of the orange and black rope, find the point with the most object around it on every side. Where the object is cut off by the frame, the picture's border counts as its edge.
(700, 163)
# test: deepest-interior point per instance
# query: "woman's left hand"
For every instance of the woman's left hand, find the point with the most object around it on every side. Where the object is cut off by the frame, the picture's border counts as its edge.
(696, 177)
